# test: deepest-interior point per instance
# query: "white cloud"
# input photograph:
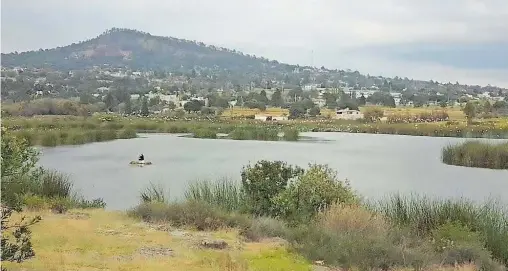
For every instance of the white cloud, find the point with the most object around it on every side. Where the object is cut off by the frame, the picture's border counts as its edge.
(331, 26)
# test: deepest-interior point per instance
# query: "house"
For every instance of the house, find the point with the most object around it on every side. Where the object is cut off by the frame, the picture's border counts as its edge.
(269, 118)
(348, 114)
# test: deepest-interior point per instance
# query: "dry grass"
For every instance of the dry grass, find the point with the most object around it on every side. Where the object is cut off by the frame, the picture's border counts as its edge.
(100, 240)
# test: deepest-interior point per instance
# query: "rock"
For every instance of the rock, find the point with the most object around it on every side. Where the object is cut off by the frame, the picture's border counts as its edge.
(155, 251)
(214, 244)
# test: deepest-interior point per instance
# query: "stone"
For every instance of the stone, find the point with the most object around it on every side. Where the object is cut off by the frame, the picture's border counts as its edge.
(214, 244)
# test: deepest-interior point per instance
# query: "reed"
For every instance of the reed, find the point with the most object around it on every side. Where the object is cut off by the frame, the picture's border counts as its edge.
(154, 193)
(424, 214)
(223, 193)
(476, 154)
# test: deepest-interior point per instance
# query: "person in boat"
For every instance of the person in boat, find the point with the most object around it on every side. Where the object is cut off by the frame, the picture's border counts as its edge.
(141, 159)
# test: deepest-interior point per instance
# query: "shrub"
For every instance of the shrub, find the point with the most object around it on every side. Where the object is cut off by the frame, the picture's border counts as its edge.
(194, 214)
(265, 227)
(355, 237)
(373, 114)
(262, 182)
(313, 191)
(422, 215)
(458, 244)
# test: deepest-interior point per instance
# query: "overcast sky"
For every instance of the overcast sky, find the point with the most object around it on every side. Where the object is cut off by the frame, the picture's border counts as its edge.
(444, 40)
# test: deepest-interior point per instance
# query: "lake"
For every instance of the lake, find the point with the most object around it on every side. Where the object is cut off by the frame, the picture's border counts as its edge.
(376, 165)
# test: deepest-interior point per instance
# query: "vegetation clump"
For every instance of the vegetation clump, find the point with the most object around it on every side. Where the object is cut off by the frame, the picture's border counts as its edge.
(476, 154)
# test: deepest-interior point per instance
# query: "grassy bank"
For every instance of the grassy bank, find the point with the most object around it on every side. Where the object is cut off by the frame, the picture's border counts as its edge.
(331, 223)
(279, 217)
(476, 154)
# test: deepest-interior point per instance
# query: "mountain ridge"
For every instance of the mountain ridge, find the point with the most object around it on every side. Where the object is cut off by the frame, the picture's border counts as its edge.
(138, 50)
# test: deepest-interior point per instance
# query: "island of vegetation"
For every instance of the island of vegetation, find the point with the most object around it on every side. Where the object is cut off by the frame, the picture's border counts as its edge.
(477, 154)
(277, 216)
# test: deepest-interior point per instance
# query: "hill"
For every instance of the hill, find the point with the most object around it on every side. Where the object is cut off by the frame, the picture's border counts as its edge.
(138, 50)
(207, 66)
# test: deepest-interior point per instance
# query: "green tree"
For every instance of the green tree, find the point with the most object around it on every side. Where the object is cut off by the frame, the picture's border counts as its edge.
(314, 111)
(18, 160)
(109, 100)
(262, 97)
(362, 100)
(144, 107)
(128, 107)
(470, 111)
(296, 110)
(265, 180)
(193, 106)
(277, 98)
(443, 104)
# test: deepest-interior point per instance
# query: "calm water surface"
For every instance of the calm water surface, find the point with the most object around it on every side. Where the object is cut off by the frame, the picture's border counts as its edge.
(374, 164)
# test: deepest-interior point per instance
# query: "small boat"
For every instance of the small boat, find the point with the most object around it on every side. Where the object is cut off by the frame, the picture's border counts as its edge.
(140, 163)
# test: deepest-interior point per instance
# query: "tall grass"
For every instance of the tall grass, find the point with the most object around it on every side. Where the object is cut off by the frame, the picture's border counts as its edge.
(224, 194)
(154, 193)
(423, 214)
(291, 134)
(476, 154)
(205, 133)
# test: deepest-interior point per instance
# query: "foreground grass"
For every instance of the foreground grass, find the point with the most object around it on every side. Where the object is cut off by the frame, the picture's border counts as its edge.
(97, 239)
(476, 154)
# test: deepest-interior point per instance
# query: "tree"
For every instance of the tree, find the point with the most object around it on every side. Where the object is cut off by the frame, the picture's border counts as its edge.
(313, 191)
(277, 98)
(109, 100)
(296, 111)
(262, 97)
(144, 107)
(470, 111)
(487, 107)
(362, 100)
(18, 161)
(314, 111)
(193, 106)
(443, 104)
(128, 107)
(265, 180)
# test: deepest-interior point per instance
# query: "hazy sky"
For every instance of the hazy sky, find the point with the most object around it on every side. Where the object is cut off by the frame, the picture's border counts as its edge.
(444, 40)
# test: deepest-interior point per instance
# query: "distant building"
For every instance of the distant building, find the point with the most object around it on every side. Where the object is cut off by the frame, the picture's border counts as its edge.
(348, 114)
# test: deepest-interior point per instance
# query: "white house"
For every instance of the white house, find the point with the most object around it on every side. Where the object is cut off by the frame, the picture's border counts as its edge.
(348, 114)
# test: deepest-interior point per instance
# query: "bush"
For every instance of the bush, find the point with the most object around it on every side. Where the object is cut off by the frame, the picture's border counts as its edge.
(458, 244)
(313, 191)
(373, 114)
(422, 215)
(265, 227)
(198, 215)
(205, 133)
(262, 182)
(354, 237)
